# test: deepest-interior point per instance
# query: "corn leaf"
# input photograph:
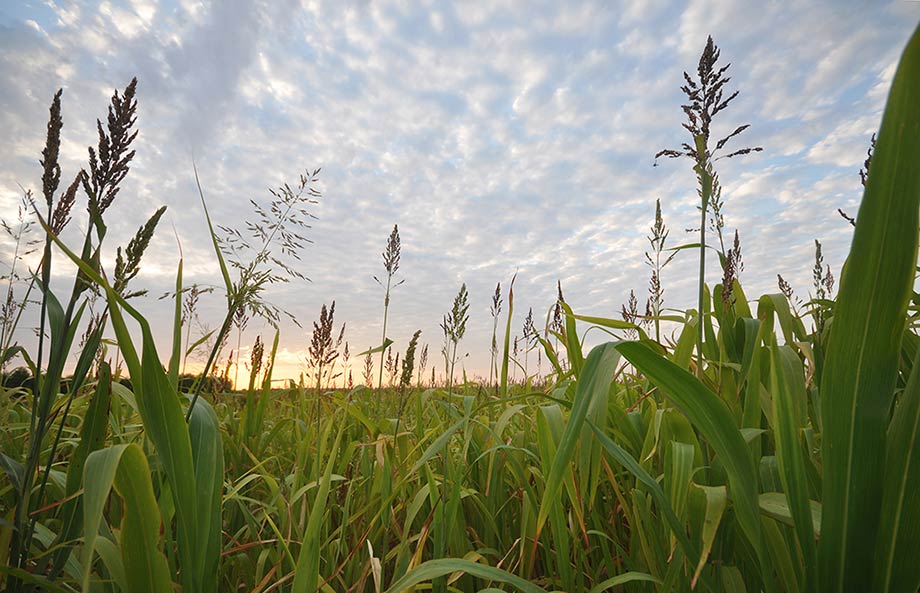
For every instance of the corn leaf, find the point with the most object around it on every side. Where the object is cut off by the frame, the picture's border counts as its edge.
(861, 366)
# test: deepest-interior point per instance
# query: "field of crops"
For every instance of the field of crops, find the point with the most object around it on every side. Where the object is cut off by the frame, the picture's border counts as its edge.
(770, 443)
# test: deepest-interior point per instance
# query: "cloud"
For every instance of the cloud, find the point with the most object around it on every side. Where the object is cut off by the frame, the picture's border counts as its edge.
(504, 137)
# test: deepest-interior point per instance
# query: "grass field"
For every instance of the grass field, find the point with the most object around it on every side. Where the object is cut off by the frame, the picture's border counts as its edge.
(759, 443)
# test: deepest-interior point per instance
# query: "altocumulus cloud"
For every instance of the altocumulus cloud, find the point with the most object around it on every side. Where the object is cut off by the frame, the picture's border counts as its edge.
(502, 137)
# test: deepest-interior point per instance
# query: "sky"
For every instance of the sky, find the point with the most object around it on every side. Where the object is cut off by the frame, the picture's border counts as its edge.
(502, 137)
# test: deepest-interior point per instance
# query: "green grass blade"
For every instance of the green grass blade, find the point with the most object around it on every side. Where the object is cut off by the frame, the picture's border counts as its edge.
(506, 351)
(713, 419)
(208, 457)
(622, 579)
(144, 562)
(228, 284)
(787, 384)
(306, 574)
(438, 568)
(594, 383)
(176, 354)
(572, 344)
(92, 436)
(716, 502)
(899, 531)
(125, 467)
(864, 343)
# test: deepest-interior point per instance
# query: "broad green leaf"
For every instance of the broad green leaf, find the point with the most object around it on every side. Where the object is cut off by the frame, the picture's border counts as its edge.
(709, 414)
(306, 573)
(787, 382)
(631, 465)
(92, 437)
(208, 457)
(716, 501)
(899, 532)
(164, 424)
(775, 505)
(860, 369)
(438, 568)
(125, 467)
(594, 383)
(622, 579)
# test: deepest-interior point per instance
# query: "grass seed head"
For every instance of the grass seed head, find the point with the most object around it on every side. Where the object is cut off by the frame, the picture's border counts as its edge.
(110, 162)
(51, 169)
(391, 254)
(408, 365)
(128, 265)
(706, 99)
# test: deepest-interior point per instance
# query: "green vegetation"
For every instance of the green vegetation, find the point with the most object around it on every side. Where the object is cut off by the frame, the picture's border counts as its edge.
(773, 448)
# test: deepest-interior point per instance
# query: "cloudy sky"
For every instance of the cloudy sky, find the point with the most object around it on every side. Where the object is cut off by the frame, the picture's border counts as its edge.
(500, 136)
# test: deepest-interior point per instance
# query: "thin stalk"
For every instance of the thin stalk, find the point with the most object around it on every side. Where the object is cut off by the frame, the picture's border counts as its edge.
(236, 372)
(657, 296)
(8, 323)
(199, 384)
(702, 290)
(386, 307)
(493, 367)
(705, 176)
(15, 323)
(188, 335)
(19, 551)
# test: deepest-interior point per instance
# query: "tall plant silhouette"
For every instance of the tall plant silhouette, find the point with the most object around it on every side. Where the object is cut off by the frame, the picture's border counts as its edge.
(391, 265)
(705, 100)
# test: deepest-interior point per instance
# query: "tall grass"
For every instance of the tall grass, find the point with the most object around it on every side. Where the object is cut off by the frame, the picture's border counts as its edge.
(762, 445)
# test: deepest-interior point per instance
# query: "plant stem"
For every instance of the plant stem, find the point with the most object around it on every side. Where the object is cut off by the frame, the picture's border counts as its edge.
(702, 290)
(207, 367)
(386, 307)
